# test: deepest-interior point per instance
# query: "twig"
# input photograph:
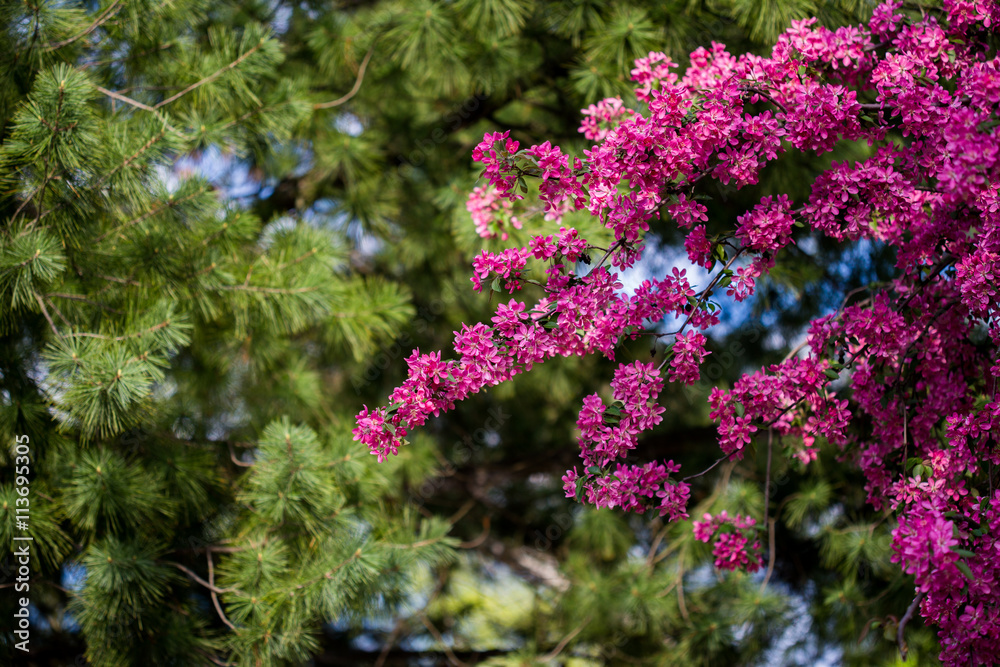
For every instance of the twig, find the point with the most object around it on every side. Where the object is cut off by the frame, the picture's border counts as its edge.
(47, 316)
(437, 635)
(215, 598)
(232, 456)
(770, 521)
(903, 649)
(614, 246)
(170, 203)
(357, 85)
(770, 554)
(138, 105)
(59, 313)
(107, 14)
(705, 471)
(211, 77)
(384, 653)
(551, 655)
(462, 511)
(78, 297)
(210, 586)
(767, 474)
(118, 339)
(472, 544)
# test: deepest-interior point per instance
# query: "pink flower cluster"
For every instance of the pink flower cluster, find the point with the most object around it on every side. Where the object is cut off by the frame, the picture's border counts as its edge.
(491, 212)
(601, 118)
(790, 398)
(904, 372)
(737, 546)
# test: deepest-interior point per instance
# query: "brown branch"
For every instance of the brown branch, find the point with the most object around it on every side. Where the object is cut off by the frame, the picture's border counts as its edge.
(105, 15)
(415, 545)
(770, 554)
(551, 655)
(767, 474)
(462, 511)
(148, 214)
(472, 544)
(210, 586)
(770, 521)
(79, 297)
(232, 456)
(215, 598)
(47, 316)
(123, 281)
(437, 635)
(900, 641)
(266, 290)
(211, 77)
(110, 61)
(118, 339)
(354, 91)
(59, 313)
(138, 105)
(706, 470)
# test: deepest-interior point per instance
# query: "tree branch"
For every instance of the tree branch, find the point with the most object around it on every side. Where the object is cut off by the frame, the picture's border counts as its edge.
(900, 641)
(437, 635)
(211, 77)
(213, 589)
(210, 586)
(551, 655)
(138, 105)
(105, 15)
(354, 91)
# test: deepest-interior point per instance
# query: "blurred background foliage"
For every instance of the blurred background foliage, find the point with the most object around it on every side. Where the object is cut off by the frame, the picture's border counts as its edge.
(227, 224)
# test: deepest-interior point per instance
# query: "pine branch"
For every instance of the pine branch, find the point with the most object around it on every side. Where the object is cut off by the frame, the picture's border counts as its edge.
(118, 339)
(47, 316)
(212, 77)
(132, 158)
(105, 15)
(265, 290)
(112, 61)
(210, 586)
(153, 211)
(48, 157)
(138, 105)
(78, 297)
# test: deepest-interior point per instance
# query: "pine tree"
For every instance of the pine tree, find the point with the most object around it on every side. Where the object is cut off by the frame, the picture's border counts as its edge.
(186, 352)
(150, 322)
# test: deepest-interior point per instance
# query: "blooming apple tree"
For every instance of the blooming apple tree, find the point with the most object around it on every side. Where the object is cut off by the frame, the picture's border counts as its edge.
(920, 416)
